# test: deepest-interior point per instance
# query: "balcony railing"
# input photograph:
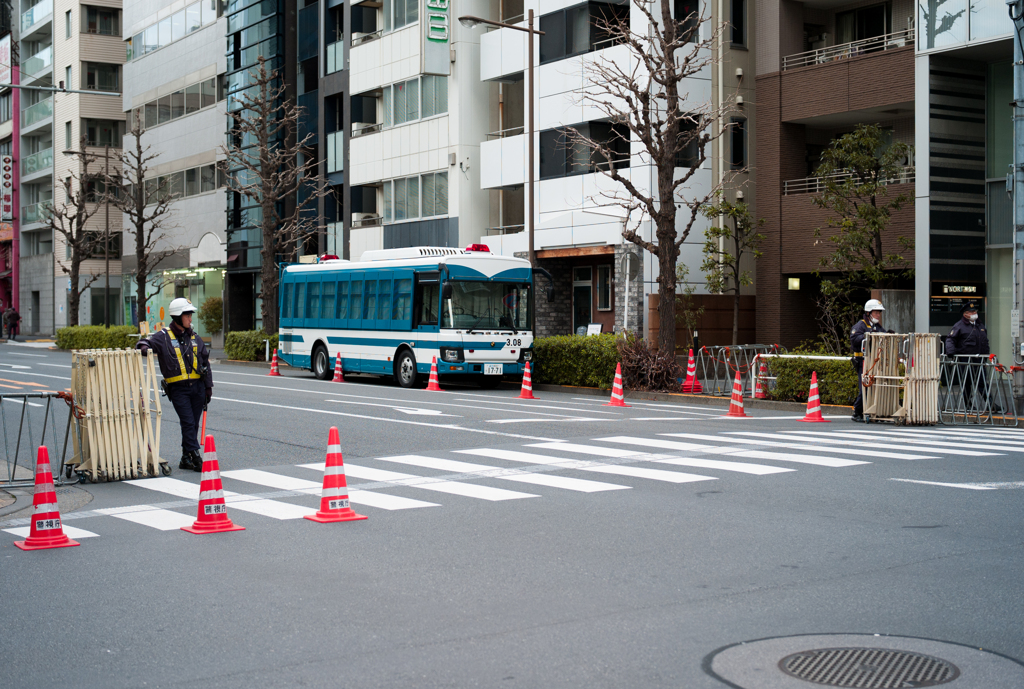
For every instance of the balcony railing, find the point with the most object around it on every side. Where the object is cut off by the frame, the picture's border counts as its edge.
(37, 212)
(366, 38)
(505, 229)
(335, 152)
(37, 162)
(372, 221)
(39, 62)
(505, 133)
(35, 14)
(35, 113)
(816, 185)
(336, 57)
(899, 39)
(359, 129)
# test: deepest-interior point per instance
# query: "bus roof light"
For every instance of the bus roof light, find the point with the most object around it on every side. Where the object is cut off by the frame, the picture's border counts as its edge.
(478, 247)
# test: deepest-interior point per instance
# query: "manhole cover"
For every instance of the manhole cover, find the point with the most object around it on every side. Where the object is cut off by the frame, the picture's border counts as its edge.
(868, 668)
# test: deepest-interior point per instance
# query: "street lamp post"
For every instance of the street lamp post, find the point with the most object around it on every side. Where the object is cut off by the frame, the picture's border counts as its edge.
(469, 22)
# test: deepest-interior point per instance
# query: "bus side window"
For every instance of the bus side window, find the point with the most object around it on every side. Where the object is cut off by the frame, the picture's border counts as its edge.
(343, 300)
(327, 301)
(313, 308)
(356, 310)
(286, 302)
(300, 300)
(427, 297)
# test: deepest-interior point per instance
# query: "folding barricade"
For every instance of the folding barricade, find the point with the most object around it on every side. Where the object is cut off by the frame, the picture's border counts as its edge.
(17, 411)
(976, 389)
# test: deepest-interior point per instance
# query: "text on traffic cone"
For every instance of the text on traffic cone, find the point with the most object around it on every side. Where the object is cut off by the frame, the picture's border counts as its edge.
(334, 501)
(46, 530)
(212, 515)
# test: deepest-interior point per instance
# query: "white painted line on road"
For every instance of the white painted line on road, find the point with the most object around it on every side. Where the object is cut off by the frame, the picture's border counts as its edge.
(799, 442)
(735, 451)
(359, 497)
(11, 399)
(620, 470)
(69, 531)
(438, 404)
(381, 501)
(37, 375)
(967, 486)
(595, 450)
(453, 466)
(911, 445)
(600, 402)
(668, 418)
(154, 517)
(497, 400)
(951, 440)
(52, 365)
(184, 489)
(407, 410)
(468, 490)
(544, 420)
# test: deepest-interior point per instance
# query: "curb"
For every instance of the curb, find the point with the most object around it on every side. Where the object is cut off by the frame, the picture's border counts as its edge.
(20, 498)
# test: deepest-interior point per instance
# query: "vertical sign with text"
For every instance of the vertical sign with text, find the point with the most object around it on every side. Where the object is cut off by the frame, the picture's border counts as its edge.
(6, 188)
(435, 58)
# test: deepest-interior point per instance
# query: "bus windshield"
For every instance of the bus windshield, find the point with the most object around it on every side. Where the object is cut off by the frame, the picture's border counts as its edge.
(487, 305)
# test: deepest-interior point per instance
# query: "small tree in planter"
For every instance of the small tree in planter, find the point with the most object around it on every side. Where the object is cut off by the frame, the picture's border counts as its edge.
(211, 315)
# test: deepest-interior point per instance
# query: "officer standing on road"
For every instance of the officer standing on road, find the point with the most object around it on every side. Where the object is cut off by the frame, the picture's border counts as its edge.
(185, 365)
(870, 323)
(969, 336)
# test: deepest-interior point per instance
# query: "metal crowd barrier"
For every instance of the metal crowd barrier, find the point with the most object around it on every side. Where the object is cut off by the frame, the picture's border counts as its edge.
(717, 366)
(976, 389)
(16, 418)
(768, 379)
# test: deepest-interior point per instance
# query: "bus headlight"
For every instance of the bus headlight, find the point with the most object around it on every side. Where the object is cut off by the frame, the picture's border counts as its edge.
(451, 354)
(527, 355)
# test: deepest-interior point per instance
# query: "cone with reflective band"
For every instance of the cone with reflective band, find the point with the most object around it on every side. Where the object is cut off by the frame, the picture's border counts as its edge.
(527, 392)
(759, 393)
(339, 377)
(432, 384)
(691, 384)
(213, 513)
(617, 394)
(334, 505)
(273, 365)
(46, 530)
(736, 405)
(814, 403)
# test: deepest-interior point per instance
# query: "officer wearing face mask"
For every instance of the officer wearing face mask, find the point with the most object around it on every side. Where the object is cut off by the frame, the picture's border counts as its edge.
(870, 323)
(968, 336)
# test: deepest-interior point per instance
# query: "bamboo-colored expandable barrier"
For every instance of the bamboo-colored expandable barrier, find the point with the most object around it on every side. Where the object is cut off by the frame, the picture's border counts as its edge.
(119, 392)
(910, 397)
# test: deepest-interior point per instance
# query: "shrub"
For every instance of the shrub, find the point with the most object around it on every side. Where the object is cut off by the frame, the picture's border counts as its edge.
(211, 315)
(644, 369)
(576, 360)
(97, 337)
(247, 345)
(837, 380)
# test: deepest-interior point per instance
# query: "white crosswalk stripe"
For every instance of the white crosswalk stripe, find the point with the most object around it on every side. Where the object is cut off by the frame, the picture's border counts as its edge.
(620, 470)
(468, 490)
(261, 506)
(154, 517)
(798, 443)
(952, 440)
(734, 451)
(69, 531)
(360, 497)
(593, 450)
(912, 445)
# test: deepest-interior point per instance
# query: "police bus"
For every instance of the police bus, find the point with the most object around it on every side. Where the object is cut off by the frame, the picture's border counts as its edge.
(394, 310)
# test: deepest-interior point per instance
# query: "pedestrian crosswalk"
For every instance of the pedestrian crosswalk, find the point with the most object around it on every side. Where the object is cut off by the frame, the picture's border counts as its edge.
(541, 470)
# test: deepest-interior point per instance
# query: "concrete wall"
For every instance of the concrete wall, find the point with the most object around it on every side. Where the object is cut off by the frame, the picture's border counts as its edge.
(36, 275)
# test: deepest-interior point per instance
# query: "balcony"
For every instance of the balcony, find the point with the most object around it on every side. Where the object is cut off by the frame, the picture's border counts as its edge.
(335, 57)
(845, 51)
(36, 14)
(39, 63)
(37, 162)
(37, 212)
(335, 152)
(37, 113)
(816, 185)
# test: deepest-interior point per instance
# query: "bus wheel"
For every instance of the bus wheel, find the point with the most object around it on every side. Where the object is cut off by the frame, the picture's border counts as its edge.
(321, 363)
(405, 369)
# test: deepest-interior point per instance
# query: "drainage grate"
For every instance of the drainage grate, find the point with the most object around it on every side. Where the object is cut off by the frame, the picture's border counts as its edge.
(868, 668)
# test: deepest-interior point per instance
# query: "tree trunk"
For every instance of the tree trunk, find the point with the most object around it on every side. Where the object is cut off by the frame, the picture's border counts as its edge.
(268, 269)
(736, 317)
(74, 296)
(667, 292)
(141, 273)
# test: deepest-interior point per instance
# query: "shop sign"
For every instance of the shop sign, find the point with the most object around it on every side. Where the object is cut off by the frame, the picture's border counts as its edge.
(6, 232)
(6, 188)
(435, 58)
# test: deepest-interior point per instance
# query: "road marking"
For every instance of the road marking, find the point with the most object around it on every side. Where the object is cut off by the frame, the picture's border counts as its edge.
(37, 375)
(577, 484)
(594, 450)
(39, 356)
(16, 367)
(968, 486)
(442, 404)
(262, 506)
(360, 497)
(407, 410)
(735, 451)
(425, 412)
(544, 420)
(806, 443)
(668, 418)
(468, 490)
(51, 365)
(911, 445)
(599, 401)
(154, 517)
(19, 382)
(976, 442)
(531, 406)
(69, 531)
(620, 470)
(11, 399)
(742, 467)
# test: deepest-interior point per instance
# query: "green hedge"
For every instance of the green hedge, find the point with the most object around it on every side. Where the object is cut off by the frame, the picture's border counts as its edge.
(247, 345)
(97, 337)
(576, 360)
(837, 380)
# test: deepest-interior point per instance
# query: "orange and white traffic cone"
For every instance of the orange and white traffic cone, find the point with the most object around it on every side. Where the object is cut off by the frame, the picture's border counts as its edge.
(814, 403)
(432, 384)
(212, 516)
(334, 505)
(618, 397)
(339, 376)
(759, 393)
(273, 365)
(46, 530)
(691, 384)
(736, 404)
(527, 392)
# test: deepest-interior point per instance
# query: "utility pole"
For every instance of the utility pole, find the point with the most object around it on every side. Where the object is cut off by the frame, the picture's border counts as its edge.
(1015, 186)
(106, 233)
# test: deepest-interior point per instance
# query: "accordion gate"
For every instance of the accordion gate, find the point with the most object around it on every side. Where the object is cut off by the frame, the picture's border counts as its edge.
(912, 397)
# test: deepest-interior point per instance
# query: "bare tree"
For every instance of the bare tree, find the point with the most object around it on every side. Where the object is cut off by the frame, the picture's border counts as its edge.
(146, 203)
(644, 99)
(69, 220)
(270, 167)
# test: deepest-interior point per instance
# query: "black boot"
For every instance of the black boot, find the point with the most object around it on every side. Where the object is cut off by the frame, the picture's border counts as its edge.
(197, 460)
(186, 460)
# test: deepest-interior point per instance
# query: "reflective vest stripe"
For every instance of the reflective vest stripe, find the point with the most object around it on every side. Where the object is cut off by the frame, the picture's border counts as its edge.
(191, 375)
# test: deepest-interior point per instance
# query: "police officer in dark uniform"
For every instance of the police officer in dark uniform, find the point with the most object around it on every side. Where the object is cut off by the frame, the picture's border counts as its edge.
(969, 336)
(870, 323)
(185, 365)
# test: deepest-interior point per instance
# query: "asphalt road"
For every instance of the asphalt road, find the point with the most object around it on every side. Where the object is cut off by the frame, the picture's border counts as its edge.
(547, 543)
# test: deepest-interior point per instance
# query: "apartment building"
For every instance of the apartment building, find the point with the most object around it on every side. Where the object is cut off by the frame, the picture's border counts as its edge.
(8, 255)
(174, 86)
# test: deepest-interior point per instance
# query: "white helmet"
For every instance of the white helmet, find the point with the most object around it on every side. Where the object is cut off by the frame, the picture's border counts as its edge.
(180, 306)
(873, 305)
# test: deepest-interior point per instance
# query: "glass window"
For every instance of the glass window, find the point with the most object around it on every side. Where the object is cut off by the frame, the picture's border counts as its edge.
(355, 309)
(738, 141)
(435, 95)
(300, 300)
(478, 304)
(178, 26)
(552, 154)
(151, 117)
(428, 295)
(209, 92)
(101, 77)
(193, 100)
(552, 42)
(988, 18)
(413, 100)
(192, 181)
(327, 303)
(286, 301)
(193, 18)
(177, 104)
(209, 8)
(739, 22)
(582, 274)
(343, 299)
(401, 199)
(428, 196)
(139, 44)
(164, 105)
(370, 299)
(689, 151)
(384, 300)
(67, 24)
(388, 204)
(208, 174)
(577, 30)
(388, 114)
(400, 309)
(688, 19)
(176, 184)
(604, 288)
(313, 290)
(152, 40)
(164, 27)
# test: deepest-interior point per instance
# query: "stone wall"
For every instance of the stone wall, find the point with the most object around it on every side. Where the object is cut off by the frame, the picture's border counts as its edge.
(554, 318)
(634, 314)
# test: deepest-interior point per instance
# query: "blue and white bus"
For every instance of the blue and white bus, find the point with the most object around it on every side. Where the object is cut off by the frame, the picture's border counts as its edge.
(394, 310)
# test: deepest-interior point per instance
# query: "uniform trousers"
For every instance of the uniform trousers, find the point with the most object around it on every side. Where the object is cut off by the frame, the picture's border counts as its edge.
(188, 398)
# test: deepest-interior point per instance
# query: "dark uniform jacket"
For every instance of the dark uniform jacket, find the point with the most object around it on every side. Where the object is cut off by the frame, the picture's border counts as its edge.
(860, 329)
(190, 345)
(967, 338)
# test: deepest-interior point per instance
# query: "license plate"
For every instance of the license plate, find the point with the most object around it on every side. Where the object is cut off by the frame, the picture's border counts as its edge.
(493, 369)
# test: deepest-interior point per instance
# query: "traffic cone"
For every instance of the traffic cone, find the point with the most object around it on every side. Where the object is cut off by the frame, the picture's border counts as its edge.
(212, 516)
(339, 376)
(814, 403)
(46, 530)
(527, 392)
(736, 404)
(273, 365)
(432, 384)
(691, 384)
(759, 393)
(334, 499)
(617, 396)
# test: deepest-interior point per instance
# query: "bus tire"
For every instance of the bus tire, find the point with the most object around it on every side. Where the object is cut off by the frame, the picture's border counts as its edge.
(405, 369)
(321, 363)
